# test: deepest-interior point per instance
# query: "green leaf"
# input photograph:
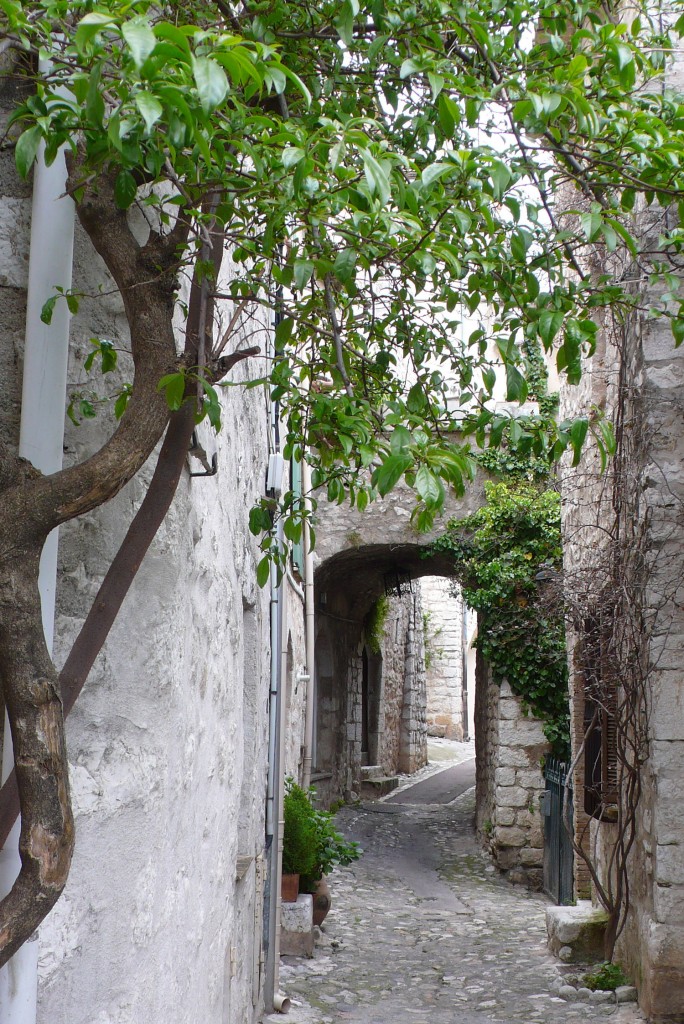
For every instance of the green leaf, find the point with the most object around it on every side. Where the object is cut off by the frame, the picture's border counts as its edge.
(48, 309)
(299, 83)
(303, 271)
(275, 79)
(400, 440)
(516, 385)
(591, 225)
(95, 105)
(211, 82)
(520, 241)
(376, 176)
(283, 332)
(140, 39)
(408, 67)
(436, 84)
(108, 355)
(291, 156)
(125, 189)
(434, 172)
(428, 486)
(26, 149)
(415, 401)
(344, 23)
(449, 114)
(122, 402)
(501, 177)
(550, 323)
(263, 571)
(88, 27)
(344, 267)
(165, 30)
(677, 324)
(173, 385)
(578, 433)
(389, 472)
(150, 108)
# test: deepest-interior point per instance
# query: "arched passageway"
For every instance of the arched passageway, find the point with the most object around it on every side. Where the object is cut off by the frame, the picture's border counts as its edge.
(371, 708)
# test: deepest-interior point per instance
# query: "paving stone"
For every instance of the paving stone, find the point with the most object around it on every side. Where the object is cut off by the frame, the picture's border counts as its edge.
(422, 930)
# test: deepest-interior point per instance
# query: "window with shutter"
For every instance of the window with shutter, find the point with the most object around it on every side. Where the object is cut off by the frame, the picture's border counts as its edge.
(600, 680)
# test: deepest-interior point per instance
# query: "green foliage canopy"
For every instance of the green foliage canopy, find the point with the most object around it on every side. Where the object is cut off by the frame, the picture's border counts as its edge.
(383, 173)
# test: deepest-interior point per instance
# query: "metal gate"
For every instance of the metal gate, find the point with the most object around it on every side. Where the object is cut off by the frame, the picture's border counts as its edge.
(558, 852)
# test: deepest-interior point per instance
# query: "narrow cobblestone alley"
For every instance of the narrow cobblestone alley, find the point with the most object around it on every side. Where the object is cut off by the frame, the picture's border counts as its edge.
(424, 930)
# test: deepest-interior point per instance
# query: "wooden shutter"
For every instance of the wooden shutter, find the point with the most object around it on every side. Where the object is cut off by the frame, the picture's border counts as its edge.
(600, 681)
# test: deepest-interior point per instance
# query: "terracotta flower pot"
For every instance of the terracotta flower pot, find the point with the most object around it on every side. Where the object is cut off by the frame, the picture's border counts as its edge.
(289, 888)
(321, 901)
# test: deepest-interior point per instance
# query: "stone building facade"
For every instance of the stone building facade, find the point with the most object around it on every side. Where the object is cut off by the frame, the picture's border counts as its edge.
(624, 568)
(623, 571)
(162, 918)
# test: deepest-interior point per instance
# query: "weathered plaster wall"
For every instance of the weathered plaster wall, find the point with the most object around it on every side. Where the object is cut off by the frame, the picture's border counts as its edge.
(444, 653)
(167, 743)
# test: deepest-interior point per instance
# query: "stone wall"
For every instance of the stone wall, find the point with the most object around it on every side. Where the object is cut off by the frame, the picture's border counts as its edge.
(168, 742)
(392, 730)
(403, 659)
(509, 782)
(636, 377)
(444, 655)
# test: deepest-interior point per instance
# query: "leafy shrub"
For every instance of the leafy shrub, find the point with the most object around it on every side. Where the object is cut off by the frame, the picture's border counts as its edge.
(299, 837)
(607, 977)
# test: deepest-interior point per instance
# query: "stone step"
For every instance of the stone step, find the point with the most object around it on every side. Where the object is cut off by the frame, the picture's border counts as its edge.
(372, 771)
(372, 789)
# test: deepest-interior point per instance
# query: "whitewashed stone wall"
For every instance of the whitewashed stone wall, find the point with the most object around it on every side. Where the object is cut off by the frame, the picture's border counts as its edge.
(443, 616)
(161, 917)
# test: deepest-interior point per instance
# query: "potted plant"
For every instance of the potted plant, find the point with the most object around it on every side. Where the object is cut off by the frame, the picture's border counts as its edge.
(319, 846)
(331, 849)
(299, 839)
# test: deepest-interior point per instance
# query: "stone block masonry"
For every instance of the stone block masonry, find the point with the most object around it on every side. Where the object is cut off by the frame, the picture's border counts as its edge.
(443, 620)
(509, 747)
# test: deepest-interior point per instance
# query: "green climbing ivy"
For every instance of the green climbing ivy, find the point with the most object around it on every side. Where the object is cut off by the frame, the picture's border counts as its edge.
(504, 555)
(374, 624)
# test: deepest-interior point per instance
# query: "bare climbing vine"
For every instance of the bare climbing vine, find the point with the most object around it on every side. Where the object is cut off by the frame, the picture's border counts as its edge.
(616, 605)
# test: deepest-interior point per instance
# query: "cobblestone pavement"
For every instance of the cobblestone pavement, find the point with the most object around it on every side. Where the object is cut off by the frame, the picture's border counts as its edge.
(424, 930)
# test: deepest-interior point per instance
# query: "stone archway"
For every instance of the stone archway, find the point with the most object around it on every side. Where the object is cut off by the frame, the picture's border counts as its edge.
(354, 556)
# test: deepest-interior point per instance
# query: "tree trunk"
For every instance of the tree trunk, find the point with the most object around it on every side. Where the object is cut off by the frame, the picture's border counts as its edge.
(31, 505)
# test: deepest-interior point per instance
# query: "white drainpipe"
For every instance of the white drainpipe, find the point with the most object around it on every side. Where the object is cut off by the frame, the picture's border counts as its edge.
(41, 441)
(309, 633)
